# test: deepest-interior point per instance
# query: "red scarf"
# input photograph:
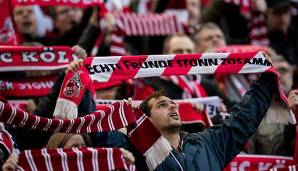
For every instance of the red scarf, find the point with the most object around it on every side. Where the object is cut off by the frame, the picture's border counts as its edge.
(19, 104)
(149, 25)
(155, 147)
(71, 93)
(7, 144)
(258, 30)
(133, 24)
(8, 34)
(30, 87)
(258, 162)
(240, 48)
(72, 159)
(187, 112)
(105, 69)
(286, 168)
(110, 117)
(236, 85)
(22, 58)
(296, 139)
(77, 3)
(189, 115)
(117, 45)
(141, 90)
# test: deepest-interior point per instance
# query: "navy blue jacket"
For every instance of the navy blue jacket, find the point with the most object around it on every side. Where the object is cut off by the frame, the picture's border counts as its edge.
(215, 147)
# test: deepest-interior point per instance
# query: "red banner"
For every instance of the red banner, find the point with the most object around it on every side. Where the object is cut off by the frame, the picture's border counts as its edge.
(258, 162)
(78, 3)
(20, 58)
(37, 86)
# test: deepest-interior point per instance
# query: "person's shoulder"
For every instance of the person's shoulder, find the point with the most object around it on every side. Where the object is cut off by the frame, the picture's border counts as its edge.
(190, 137)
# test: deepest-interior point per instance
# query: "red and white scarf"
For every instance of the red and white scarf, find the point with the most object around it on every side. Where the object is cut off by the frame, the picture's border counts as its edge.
(22, 58)
(240, 48)
(259, 162)
(189, 115)
(112, 117)
(286, 168)
(243, 3)
(155, 148)
(258, 30)
(19, 104)
(31, 87)
(296, 139)
(117, 44)
(105, 69)
(7, 143)
(72, 159)
(8, 34)
(134, 24)
(77, 3)
(71, 93)
(237, 85)
(109, 117)
(186, 110)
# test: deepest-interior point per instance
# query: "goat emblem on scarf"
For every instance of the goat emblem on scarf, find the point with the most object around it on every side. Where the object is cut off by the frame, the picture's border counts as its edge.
(73, 86)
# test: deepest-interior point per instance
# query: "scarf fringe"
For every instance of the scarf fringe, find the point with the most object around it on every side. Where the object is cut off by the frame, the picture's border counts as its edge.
(279, 114)
(65, 109)
(157, 153)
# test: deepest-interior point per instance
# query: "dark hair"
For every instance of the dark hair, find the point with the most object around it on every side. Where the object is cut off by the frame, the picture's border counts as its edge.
(58, 140)
(144, 106)
(208, 25)
(169, 38)
(52, 12)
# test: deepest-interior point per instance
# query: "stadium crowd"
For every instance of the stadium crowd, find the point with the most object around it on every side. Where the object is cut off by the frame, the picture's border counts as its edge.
(179, 132)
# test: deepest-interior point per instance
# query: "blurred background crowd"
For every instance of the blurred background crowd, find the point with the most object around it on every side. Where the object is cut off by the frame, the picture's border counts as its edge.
(197, 26)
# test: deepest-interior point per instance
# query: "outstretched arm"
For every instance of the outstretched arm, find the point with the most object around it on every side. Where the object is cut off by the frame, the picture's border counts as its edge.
(227, 140)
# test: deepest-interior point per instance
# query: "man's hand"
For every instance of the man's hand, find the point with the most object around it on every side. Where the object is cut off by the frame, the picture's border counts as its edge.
(222, 107)
(31, 106)
(199, 107)
(75, 65)
(11, 163)
(293, 99)
(132, 103)
(128, 156)
(259, 5)
(79, 52)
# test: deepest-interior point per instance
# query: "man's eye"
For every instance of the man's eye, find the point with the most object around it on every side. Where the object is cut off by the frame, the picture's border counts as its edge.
(162, 105)
(178, 51)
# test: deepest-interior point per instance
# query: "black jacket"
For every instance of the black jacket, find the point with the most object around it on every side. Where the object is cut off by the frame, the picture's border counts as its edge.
(215, 147)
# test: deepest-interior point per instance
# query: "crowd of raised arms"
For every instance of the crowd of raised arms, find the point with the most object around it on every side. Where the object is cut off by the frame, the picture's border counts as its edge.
(186, 85)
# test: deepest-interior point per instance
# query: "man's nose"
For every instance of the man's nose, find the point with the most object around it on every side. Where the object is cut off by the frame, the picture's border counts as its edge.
(26, 13)
(173, 106)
